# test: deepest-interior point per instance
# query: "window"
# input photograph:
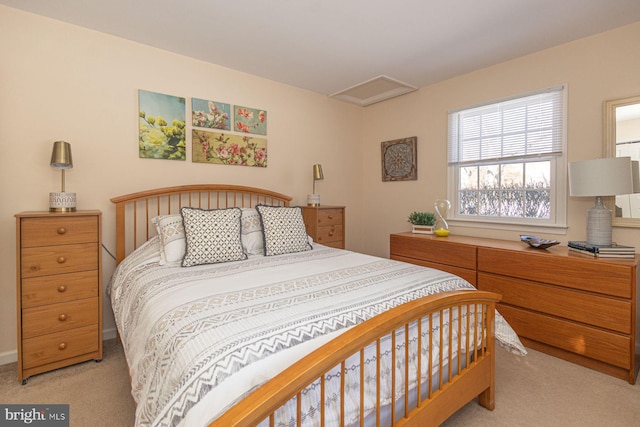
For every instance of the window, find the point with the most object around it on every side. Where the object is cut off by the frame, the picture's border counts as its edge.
(506, 160)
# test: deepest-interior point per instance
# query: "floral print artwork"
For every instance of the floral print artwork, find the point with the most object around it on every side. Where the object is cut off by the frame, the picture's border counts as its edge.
(210, 114)
(228, 149)
(250, 120)
(161, 126)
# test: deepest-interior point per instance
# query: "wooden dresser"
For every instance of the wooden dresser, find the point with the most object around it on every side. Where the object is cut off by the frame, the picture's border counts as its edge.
(325, 224)
(59, 290)
(579, 308)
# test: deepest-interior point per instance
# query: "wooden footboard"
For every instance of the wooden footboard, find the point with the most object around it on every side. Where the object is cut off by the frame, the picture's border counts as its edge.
(464, 376)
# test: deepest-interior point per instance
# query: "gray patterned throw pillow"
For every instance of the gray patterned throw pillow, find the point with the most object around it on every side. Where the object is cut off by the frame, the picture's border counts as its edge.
(212, 236)
(284, 230)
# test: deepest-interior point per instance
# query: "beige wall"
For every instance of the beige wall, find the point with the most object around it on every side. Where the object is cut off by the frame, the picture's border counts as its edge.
(59, 81)
(596, 69)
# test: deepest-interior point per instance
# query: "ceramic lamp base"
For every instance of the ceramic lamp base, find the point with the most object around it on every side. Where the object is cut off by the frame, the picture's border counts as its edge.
(599, 224)
(313, 200)
(62, 202)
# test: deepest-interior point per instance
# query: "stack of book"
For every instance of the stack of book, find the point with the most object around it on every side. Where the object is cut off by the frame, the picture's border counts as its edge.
(603, 251)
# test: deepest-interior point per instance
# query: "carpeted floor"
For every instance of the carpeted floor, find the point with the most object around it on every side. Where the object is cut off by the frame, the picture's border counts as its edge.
(535, 390)
(98, 394)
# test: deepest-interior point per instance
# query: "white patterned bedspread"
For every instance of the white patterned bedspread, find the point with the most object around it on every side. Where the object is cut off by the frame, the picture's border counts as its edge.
(198, 339)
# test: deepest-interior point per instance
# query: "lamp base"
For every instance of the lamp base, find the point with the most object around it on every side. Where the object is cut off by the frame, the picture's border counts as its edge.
(313, 200)
(62, 202)
(599, 224)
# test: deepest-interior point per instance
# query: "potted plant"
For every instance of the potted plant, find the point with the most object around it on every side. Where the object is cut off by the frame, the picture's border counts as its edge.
(422, 222)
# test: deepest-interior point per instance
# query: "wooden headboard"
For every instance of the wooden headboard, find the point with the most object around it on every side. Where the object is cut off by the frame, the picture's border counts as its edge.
(134, 211)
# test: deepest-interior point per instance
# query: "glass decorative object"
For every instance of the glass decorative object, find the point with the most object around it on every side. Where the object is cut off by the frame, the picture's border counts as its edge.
(442, 207)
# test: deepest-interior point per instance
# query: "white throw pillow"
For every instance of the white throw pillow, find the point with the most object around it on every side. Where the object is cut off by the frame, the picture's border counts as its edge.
(172, 238)
(252, 237)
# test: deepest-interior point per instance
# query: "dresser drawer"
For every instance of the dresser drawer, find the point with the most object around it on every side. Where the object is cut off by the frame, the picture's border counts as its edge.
(51, 318)
(48, 260)
(59, 346)
(330, 217)
(588, 341)
(440, 251)
(330, 234)
(591, 309)
(599, 276)
(58, 230)
(59, 288)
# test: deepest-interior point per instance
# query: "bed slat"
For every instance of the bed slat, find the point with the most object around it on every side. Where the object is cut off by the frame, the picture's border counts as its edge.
(132, 209)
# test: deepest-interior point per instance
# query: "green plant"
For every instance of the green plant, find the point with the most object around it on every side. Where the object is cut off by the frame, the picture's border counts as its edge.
(422, 218)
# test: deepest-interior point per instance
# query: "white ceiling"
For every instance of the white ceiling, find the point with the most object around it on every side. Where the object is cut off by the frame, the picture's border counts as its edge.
(328, 46)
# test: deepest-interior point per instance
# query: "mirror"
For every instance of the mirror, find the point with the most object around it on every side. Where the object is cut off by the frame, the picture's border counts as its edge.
(622, 139)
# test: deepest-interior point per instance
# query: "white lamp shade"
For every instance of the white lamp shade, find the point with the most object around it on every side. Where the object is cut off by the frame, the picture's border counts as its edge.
(601, 177)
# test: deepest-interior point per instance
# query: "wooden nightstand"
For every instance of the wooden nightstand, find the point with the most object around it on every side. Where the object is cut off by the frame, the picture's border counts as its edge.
(325, 224)
(59, 290)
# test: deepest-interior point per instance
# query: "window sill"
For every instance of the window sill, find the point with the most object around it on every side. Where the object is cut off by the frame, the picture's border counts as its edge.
(519, 227)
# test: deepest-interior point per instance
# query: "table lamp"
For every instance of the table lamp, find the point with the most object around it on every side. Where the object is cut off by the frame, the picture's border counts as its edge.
(599, 178)
(61, 159)
(314, 199)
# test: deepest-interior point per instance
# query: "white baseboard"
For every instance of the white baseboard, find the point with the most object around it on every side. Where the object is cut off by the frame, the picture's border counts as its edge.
(12, 356)
(108, 334)
(8, 357)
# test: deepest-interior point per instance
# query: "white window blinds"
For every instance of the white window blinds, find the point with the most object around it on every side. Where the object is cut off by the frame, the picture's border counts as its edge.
(529, 126)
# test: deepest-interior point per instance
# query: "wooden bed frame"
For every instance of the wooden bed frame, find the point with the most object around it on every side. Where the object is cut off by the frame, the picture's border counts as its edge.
(469, 376)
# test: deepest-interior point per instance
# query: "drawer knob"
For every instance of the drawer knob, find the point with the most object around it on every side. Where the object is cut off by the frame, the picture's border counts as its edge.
(62, 317)
(62, 230)
(62, 346)
(62, 288)
(330, 216)
(331, 233)
(61, 260)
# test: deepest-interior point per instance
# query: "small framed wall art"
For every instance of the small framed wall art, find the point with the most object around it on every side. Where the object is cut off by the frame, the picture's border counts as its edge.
(210, 114)
(228, 149)
(250, 120)
(161, 126)
(399, 159)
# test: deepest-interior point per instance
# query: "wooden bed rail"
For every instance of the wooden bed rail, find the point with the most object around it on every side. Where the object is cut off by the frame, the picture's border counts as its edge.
(474, 376)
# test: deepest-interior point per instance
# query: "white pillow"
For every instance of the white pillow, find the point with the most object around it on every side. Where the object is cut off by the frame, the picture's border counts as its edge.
(172, 238)
(252, 238)
(284, 230)
(212, 236)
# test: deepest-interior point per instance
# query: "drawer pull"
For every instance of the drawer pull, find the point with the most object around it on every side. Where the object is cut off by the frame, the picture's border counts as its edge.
(331, 233)
(62, 317)
(62, 260)
(62, 346)
(62, 288)
(62, 230)
(330, 216)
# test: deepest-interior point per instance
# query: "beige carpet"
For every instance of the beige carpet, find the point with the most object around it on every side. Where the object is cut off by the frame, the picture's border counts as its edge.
(535, 390)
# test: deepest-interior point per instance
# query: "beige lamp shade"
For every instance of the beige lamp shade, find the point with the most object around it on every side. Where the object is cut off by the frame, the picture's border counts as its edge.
(601, 177)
